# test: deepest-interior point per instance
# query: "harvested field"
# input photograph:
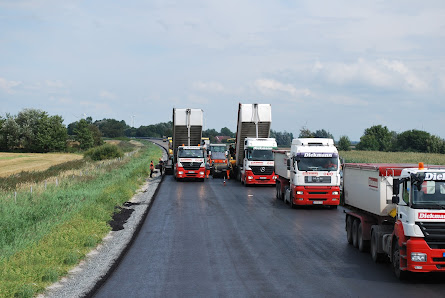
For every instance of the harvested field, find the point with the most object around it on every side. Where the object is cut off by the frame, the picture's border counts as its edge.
(12, 163)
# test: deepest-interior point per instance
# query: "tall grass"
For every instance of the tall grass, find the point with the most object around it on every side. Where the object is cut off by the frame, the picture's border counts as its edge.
(44, 235)
(11, 182)
(392, 157)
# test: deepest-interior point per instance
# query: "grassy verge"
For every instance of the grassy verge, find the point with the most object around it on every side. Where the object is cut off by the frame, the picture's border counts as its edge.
(392, 157)
(44, 236)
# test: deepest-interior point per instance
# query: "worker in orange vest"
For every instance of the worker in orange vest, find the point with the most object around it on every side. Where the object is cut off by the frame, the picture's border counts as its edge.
(152, 168)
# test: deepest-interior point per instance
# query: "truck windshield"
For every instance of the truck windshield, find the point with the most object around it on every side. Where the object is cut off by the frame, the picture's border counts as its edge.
(190, 153)
(218, 148)
(260, 154)
(318, 164)
(431, 193)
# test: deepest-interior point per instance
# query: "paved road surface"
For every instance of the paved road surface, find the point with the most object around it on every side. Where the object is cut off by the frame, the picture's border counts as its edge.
(207, 239)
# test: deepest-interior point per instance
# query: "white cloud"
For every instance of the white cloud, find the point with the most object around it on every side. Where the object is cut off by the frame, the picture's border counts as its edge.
(267, 86)
(379, 73)
(347, 101)
(107, 95)
(208, 86)
(54, 84)
(8, 86)
(197, 99)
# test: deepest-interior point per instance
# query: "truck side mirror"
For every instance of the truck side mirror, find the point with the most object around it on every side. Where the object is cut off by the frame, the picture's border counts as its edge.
(395, 191)
(288, 164)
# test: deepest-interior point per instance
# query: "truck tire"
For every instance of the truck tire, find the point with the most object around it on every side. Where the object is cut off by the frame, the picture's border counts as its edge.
(362, 244)
(400, 274)
(349, 221)
(291, 201)
(354, 232)
(277, 190)
(375, 255)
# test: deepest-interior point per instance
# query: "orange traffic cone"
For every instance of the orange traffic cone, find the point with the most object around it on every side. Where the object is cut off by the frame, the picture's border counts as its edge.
(224, 181)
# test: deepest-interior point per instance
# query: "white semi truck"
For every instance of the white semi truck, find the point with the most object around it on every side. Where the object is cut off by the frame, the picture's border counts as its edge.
(188, 154)
(398, 211)
(308, 174)
(253, 149)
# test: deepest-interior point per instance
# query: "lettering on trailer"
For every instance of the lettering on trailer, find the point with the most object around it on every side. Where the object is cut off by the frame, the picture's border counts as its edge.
(317, 154)
(430, 215)
(434, 176)
(373, 182)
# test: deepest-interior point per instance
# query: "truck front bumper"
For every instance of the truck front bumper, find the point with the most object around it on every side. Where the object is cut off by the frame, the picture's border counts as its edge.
(316, 195)
(250, 178)
(435, 258)
(182, 173)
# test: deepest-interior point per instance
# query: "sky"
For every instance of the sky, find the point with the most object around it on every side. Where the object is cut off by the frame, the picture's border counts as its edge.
(342, 66)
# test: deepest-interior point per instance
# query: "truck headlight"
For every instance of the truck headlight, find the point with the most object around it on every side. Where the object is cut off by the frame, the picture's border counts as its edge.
(201, 173)
(418, 257)
(299, 192)
(335, 193)
(180, 172)
(249, 177)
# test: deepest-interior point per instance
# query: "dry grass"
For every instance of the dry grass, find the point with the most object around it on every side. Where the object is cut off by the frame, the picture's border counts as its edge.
(12, 163)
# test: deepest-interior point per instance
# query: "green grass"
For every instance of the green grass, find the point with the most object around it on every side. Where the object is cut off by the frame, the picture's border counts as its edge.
(392, 157)
(42, 237)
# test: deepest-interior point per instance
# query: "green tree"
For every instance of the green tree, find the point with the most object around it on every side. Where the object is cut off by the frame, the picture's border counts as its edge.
(376, 138)
(111, 128)
(51, 135)
(97, 135)
(413, 141)
(344, 143)
(84, 135)
(368, 143)
(282, 138)
(10, 134)
(323, 134)
(305, 133)
(227, 132)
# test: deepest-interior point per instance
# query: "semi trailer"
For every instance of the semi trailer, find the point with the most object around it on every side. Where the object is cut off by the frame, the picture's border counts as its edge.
(188, 159)
(254, 163)
(308, 173)
(397, 212)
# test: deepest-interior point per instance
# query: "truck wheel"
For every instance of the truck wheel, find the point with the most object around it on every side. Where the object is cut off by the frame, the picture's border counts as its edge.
(349, 221)
(400, 274)
(362, 244)
(375, 255)
(354, 232)
(278, 191)
(291, 201)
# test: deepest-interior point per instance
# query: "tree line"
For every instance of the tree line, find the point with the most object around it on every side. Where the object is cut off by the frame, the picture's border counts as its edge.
(33, 130)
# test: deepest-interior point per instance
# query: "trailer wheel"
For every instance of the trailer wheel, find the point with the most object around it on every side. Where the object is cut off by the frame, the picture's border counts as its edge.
(400, 274)
(349, 221)
(355, 232)
(362, 244)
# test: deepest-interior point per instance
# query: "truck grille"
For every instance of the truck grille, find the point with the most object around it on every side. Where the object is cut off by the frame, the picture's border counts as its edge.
(191, 165)
(262, 170)
(434, 233)
(317, 179)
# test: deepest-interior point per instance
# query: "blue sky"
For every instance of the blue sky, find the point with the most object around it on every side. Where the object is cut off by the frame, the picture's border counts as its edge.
(341, 66)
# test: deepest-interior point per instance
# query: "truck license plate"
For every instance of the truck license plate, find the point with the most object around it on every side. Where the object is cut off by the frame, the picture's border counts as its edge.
(263, 178)
(191, 172)
(318, 203)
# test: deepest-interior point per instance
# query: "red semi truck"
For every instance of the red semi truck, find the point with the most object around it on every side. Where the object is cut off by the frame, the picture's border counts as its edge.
(398, 211)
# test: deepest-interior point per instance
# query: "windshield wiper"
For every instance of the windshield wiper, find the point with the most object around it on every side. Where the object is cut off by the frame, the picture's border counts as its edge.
(428, 205)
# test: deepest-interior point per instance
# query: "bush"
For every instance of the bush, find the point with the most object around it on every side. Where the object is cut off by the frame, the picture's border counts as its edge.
(106, 151)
